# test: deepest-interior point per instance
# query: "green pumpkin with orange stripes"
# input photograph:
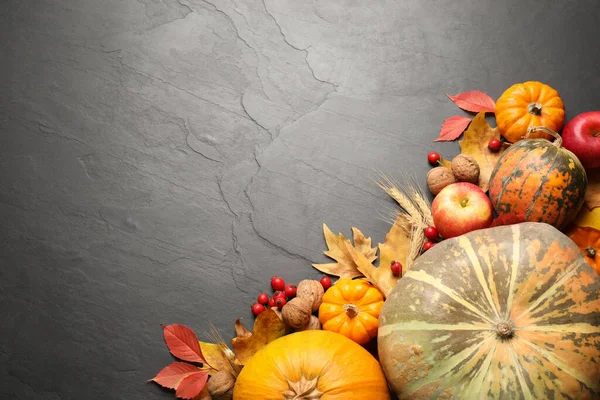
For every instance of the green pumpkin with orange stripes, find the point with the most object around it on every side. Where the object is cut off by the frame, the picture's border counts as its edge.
(511, 312)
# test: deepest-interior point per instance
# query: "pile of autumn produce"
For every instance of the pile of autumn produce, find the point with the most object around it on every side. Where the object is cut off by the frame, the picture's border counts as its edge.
(490, 291)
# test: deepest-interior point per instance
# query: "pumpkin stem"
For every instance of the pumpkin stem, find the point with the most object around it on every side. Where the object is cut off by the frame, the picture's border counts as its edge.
(535, 108)
(304, 389)
(351, 310)
(557, 139)
(504, 330)
(590, 252)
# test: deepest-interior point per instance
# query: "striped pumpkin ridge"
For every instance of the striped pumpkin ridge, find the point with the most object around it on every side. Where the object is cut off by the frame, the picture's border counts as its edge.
(508, 312)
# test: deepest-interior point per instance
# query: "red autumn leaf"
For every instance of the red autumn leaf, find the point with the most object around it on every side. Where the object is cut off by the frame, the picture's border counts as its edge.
(192, 385)
(183, 343)
(171, 375)
(474, 101)
(452, 128)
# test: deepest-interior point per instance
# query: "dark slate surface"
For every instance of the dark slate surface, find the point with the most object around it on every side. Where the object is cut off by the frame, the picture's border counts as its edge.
(160, 160)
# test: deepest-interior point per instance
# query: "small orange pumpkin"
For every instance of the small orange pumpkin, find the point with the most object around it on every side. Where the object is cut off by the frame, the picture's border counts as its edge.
(588, 240)
(528, 104)
(351, 308)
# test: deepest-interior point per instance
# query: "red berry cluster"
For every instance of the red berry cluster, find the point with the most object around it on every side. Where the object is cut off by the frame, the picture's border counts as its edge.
(432, 235)
(282, 293)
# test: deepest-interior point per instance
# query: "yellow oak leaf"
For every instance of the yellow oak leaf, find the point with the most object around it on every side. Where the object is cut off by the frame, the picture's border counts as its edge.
(397, 243)
(592, 194)
(336, 244)
(475, 143)
(216, 356)
(395, 248)
(267, 327)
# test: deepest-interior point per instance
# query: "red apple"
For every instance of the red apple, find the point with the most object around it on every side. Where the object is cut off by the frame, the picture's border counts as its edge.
(460, 208)
(582, 137)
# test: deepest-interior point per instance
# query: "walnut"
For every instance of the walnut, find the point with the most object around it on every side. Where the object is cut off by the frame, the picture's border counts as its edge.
(220, 385)
(296, 313)
(438, 178)
(313, 324)
(465, 169)
(311, 290)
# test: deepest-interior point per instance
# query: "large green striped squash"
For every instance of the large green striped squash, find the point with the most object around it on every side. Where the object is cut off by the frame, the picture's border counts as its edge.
(510, 312)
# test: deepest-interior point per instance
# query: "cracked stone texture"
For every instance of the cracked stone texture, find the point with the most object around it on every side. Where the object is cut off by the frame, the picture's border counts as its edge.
(160, 160)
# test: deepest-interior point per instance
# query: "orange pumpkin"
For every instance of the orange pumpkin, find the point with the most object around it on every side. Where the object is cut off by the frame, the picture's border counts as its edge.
(511, 312)
(539, 181)
(528, 104)
(588, 241)
(352, 307)
(317, 365)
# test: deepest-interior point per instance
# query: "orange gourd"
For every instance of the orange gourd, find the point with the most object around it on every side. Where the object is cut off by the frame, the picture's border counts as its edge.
(588, 241)
(352, 307)
(539, 181)
(528, 104)
(316, 365)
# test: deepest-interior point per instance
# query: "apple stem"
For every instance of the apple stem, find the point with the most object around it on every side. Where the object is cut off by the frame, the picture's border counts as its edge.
(464, 202)
(590, 251)
(596, 134)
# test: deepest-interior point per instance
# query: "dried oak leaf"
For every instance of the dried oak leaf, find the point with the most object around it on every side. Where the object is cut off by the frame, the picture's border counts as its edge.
(395, 248)
(475, 143)
(474, 101)
(452, 128)
(267, 327)
(592, 194)
(345, 266)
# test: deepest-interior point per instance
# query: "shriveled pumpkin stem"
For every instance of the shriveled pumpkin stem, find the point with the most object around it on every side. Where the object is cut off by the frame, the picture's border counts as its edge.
(557, 139)
(504, 330)
(304, 389)
(590, 251)
(351, 310)
(535, 108)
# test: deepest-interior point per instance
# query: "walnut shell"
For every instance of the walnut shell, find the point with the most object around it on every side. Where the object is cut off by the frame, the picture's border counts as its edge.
(311, 290)
(465, 169)
(438, 178)
(296, 313)
(313, 324)
(220, 385)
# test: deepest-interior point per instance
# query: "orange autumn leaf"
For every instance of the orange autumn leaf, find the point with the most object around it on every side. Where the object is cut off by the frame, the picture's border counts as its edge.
(267, 327)
(592, 194)
(336, 244)
(475, 143)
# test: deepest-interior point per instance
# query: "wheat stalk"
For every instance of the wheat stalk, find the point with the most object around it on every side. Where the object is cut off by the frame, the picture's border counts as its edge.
(418, 210)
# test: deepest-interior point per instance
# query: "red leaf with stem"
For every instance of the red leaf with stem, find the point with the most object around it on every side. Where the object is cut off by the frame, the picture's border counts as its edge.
(171, 375)
(192, 385)
(474, 101)
(183, 343)
(452, 128)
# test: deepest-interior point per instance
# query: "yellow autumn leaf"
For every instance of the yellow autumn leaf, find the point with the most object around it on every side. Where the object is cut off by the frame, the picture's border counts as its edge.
(475, 143)
(215, 356)
(336, 244)
(397, 243)
(592, 194)
(445, 163)
(267, 327)
(395, 248)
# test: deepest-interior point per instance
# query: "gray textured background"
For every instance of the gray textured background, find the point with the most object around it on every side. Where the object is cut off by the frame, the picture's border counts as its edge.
(160, 160)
